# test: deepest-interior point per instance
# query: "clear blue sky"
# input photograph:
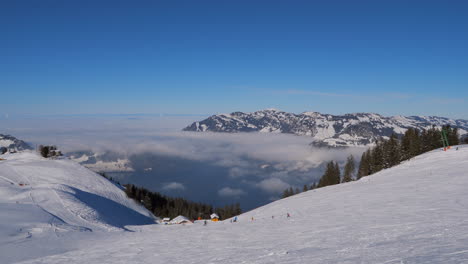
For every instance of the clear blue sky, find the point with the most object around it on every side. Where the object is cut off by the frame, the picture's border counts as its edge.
(204, 57)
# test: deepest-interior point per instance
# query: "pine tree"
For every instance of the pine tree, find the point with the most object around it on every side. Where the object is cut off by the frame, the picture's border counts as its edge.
(364, 165)
(147, 203)
(336, 174)
(377, 157)
(237, 209)
(391, 151)
(325, 180)
(331, 175)
(415, 148)
(305, 188)
(425, 141)
(410, 144)
(313, 186)
(44, 150)
(349, 168)
(453, 137)
(435, 141)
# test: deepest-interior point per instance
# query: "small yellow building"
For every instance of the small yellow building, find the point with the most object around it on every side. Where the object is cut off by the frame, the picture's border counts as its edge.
(214, 217)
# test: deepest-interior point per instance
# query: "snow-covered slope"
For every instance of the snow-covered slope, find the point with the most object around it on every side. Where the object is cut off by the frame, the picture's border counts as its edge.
(325, 129)
(416, 212)
(61, 195)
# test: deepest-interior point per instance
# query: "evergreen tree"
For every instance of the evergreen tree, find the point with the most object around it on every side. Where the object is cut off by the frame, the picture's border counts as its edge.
(237, 209)
(325, 180)
(405, 145)
(415, 148)
(425, 141)
(44, 151)
(297, 191)
(377, 157)
(349, 168)
(336, 174)
(452, 135)
(305, 188)
(147, 203)
(313, 186)
(391, 152)
(331, 175)
(364, 165)
(410, 144)
(434, 139)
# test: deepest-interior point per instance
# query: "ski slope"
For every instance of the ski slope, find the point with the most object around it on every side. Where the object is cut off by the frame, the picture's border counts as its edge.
(416, 212)
(42, 196)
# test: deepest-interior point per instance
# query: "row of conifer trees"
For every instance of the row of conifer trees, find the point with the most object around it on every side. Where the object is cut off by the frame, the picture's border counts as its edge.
(388, 153)
(165, 206)
(385, 154)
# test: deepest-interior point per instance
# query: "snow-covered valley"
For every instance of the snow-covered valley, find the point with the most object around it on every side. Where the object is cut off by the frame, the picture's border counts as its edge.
(416, 212)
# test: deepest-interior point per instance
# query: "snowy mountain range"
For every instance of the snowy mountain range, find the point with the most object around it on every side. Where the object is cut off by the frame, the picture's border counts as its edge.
(13, 144)
(326, 130)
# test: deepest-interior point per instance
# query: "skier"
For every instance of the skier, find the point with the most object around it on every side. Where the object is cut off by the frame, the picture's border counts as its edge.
(235, 219)
(272, 217)
(252, 218)
(288, 215)
(205, 223)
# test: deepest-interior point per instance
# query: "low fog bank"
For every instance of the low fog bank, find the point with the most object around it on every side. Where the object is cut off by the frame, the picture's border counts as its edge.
(218, 168)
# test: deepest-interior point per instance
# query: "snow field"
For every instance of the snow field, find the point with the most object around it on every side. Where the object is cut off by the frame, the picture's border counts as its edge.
(416, 212)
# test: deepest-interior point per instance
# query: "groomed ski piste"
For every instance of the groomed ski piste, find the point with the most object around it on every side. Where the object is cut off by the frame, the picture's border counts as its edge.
(416, 212)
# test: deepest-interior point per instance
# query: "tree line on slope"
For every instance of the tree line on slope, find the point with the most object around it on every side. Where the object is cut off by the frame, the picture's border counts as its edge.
(385, 154)
(388, 153)
(165, 206)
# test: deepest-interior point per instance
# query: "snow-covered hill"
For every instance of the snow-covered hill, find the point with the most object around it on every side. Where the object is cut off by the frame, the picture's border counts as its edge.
(416, 212)
(12, 144)
(325, 129)
(38, 194)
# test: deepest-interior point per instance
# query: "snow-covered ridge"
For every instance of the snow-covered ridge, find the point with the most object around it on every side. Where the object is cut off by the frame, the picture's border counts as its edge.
(326, 130)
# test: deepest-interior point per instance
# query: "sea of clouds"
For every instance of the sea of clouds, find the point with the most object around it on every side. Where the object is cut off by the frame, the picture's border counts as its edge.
(219, 168)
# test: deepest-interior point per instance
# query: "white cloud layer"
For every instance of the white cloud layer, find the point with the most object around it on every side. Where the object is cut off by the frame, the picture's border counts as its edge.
(272, 161)
(230, 192)
(173, 186)
(273, 185)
